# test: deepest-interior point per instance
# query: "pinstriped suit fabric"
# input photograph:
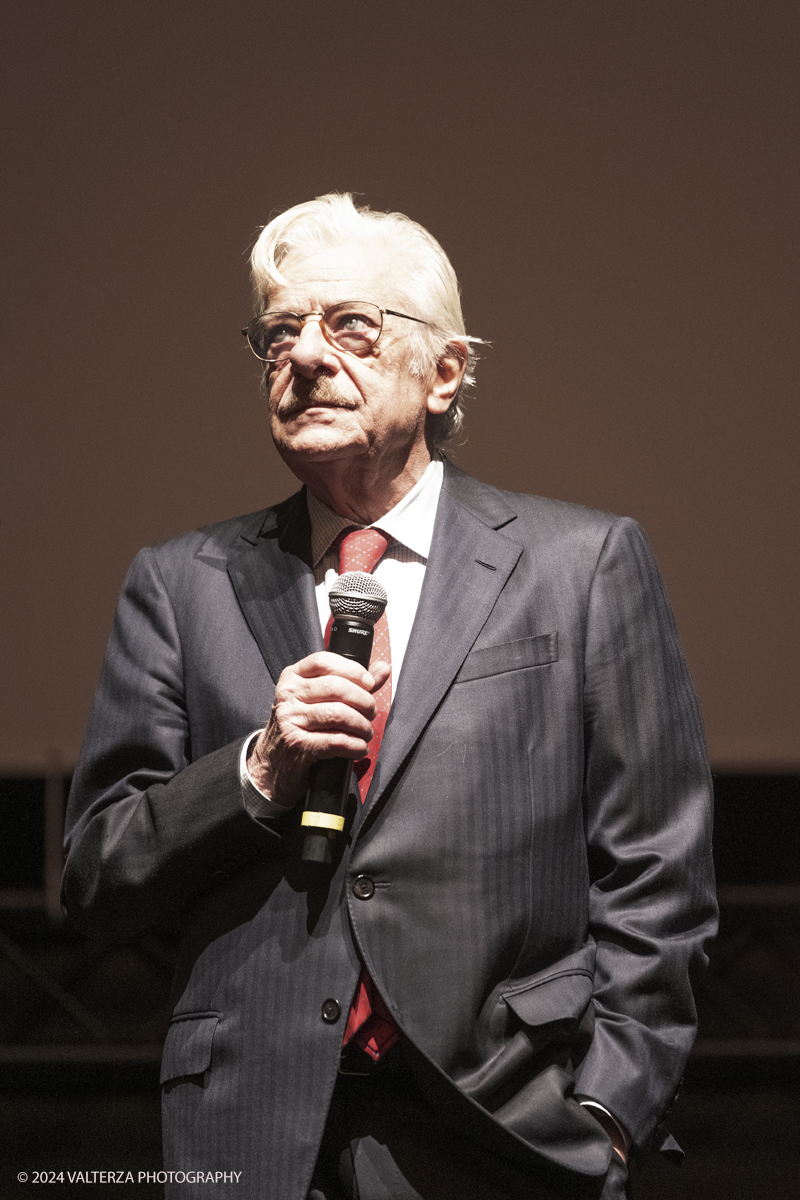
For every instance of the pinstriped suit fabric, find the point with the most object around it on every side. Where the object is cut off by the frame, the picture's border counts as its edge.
(538, 836)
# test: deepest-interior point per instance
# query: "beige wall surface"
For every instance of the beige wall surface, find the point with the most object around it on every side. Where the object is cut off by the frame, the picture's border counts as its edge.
(617, 186)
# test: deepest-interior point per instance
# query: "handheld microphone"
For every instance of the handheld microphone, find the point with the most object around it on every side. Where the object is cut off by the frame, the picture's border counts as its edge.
(357, 602)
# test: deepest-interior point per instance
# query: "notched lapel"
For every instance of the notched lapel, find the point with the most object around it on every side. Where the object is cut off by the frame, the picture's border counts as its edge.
(269, 566)
(469, 565)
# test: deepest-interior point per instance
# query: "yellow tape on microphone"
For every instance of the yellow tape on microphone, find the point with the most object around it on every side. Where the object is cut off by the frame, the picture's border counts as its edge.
(320, 820)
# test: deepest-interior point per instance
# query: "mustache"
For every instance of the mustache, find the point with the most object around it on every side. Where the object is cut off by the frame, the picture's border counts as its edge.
(305, 393)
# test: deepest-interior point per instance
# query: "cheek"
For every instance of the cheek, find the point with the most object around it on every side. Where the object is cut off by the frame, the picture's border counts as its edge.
(405, 404)
(274, 389)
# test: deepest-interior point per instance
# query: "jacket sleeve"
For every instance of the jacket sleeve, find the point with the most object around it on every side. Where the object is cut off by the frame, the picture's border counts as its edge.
(147, 828)
(647, 801)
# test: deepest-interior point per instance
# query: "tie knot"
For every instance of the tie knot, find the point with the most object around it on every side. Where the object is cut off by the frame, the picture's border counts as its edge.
(361, 549)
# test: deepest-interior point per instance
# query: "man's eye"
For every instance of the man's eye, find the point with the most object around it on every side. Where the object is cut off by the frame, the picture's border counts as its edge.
(280, 333)
(352, 321)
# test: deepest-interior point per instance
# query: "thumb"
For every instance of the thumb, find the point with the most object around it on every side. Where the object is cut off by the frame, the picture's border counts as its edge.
(380, 672)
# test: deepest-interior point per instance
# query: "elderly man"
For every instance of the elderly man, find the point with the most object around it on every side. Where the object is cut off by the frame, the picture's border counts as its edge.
(487, 992)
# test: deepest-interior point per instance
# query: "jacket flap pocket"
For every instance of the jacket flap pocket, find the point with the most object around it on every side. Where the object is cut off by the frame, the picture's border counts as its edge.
(510, 656)
(563, 992)
(187, 1049)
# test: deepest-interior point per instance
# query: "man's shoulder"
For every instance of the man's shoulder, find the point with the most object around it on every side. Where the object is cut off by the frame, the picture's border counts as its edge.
(522, 512)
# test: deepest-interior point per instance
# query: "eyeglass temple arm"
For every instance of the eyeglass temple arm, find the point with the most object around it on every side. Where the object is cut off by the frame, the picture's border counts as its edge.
(391, 313)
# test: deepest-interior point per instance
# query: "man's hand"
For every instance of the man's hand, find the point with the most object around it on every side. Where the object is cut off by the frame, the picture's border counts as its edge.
(323, 708)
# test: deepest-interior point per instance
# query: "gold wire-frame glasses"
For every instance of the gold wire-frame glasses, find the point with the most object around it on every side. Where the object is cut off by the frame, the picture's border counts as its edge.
(351, 325)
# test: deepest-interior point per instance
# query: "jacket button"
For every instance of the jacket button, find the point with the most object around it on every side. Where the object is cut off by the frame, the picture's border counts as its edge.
(363, 888)
(331, 1011)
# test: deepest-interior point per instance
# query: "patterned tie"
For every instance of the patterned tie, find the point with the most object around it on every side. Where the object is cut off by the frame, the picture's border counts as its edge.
(370, 1024)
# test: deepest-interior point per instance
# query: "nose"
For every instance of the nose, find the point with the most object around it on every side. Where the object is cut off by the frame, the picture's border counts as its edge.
(311, 353)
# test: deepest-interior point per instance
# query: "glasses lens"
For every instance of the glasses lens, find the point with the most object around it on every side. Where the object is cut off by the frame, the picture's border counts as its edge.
(272, 335)
(354, 327)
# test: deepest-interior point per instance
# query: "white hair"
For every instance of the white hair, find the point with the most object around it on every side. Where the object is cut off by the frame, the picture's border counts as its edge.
(422, 276)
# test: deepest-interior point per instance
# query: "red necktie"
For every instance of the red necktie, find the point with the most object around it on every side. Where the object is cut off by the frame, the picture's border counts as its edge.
(370, 1024)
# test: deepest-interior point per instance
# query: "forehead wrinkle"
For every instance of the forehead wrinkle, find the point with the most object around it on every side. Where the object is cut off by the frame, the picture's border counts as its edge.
(318, 295)
(314, 285)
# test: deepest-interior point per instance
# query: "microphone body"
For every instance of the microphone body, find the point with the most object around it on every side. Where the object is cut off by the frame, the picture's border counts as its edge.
(357, 601)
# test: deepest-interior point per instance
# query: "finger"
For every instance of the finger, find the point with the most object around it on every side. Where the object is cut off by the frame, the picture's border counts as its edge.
(325, 663)
(333, 719)
(334, 742)
(340, 746)
(333, 689)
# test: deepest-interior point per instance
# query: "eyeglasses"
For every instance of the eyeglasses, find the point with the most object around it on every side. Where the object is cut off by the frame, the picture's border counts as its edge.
(353, 325)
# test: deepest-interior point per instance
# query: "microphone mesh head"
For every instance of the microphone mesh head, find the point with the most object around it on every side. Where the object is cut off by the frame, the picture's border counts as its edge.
(356, 594)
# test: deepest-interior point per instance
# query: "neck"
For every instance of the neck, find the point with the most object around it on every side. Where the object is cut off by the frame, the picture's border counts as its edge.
(361, 493)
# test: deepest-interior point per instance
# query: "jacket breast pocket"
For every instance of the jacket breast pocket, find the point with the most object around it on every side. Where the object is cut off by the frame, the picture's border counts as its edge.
(188, 1045)
(510, 656)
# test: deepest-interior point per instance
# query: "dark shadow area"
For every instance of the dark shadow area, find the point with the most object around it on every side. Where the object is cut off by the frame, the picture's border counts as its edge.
(739, 1123)
(81, 1026)
(75, 1120)
(757, 829)
(22, 811)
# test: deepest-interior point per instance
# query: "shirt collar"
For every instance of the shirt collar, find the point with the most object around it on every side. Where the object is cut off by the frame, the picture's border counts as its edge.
(409, 522)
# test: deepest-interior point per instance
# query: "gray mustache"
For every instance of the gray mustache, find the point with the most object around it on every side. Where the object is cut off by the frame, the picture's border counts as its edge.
(317, 391)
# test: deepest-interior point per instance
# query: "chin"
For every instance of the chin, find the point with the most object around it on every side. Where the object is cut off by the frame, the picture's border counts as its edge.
(317, 446)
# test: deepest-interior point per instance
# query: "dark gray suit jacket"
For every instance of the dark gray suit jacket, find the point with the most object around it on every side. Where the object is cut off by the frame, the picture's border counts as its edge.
(537, 831)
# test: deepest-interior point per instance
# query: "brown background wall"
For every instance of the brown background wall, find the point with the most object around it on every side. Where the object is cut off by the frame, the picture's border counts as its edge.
(616, 185)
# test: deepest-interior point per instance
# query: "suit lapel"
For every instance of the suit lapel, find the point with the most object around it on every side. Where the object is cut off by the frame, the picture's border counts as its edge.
(270, 569)
(469, 564)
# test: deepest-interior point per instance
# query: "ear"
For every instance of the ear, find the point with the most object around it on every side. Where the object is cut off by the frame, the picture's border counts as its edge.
(447, 377)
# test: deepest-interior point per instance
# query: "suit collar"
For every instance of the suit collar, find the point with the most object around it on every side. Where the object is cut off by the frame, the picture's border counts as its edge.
(485, 503)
